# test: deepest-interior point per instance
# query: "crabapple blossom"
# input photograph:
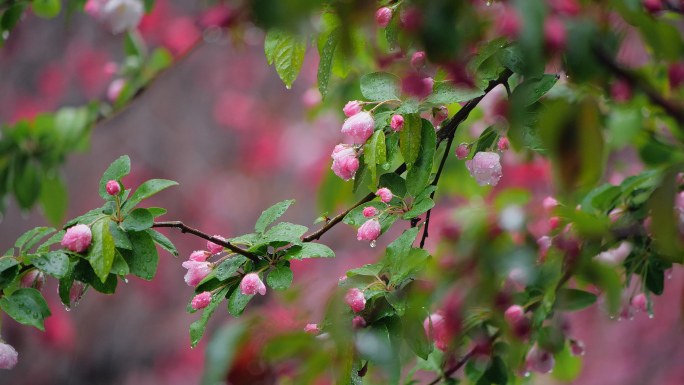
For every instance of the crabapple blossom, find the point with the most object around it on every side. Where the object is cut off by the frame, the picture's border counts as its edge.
(77, 238)
(311, 329)
(383, 16)
(385, 194)
(439, 114)
(617, 255)
(8, 356)
(199, 256)
(113, 187)
(652, 6)
(213, 247)
(438, 332)
(355, 299)
(369, 212)
(565, 7)
(359, 126)
(352, 107)
(76, 293)
(554, 222)
(121, 15)
(358, 323)
(462, 151)
(675, 73)
(540, 361)
(509, 23)
(485, 167)
(514, 314)
(621, 91)
(93, 8)
(369, 231)
(417, 85)
(345, 162)
(418, 60)
(34, 278)
(555, 34)
(114, 89)
(252, 284)
(576, 348)
(201, 300)
(549, 204)
(397, 122)
(639, 302)
(197, 271)
(544, 244)
(503, 144)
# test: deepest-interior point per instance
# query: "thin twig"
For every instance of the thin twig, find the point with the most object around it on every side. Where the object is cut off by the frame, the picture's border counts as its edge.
(185, 229)
(434, 183)
(456, 366)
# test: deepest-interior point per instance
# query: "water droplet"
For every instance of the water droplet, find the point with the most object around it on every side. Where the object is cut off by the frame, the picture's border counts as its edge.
(489, 3)
(651, 316)
(67, 308)
(5, 34)
(669, 276)
(612, 317)
(526, 374)
(288, 87)
(373, 243)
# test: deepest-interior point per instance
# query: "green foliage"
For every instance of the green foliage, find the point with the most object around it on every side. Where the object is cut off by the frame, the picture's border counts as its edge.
(271, 214)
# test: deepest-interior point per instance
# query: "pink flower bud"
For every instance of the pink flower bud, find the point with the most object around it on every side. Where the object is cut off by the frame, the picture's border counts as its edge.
(397, 122)
(311, 98)
(438, 333)
(353, 107)
(8, 356)
(417, 85)
(418, 60)
(113, 187)
(462, 151)
(385, 194)
(76, 293)
(485, 168)
(342, 278)
(199, 256)
(509, 23)
(359, 126)
(251, 284)
(566, 7)
(114, 89)
(576, 348)
(383, 16)
(311, 329)
(34, 278)
(544, 244)
(355, 299)
(213, 247)
(675, 74)
(345, 162)
(639, 302)
(93, 8)
(519, 277)
(197, 271)
(652, 6)
(554, 222)
(110, 68)
(540, 361)
(439, 114)
(411, 18)
(615, 256)
(369, 231)
(77, 238)
(549, 204)
(555, 34)
(503, 144)
(621, 91)
(369, 212)
(514, 314)
(201, 300)
(358, 323)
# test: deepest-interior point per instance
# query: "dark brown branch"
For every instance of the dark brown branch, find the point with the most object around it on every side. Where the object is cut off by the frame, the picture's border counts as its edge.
(434, 183)
(456, 366)
(185, 229)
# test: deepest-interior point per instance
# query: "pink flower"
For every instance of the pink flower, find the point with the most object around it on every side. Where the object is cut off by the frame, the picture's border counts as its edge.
(359, 126)
(439, 114)
(77, 238)
(509, 23)
(353, 107)
(93, 8)
(385, 194)
(438, 332)
(576, 348)
(114, 89)
(201, 300)
(485, 168)
(554, 222)
(8, 356)
(566, 7)
(345, 162)
(369, 212)
(544, 244)
(355, 299)
(383, 17)
(76, 293)
(411, 18)
(418, 60)
(675, 73)
(503, 144)
(621, 91)
(462, 151)
(397, 122)
(34, 278)
(514, 314)
(197, 271)
(213, 247)
(639, 302)
(113, 187)
(555, 34)
(342, 278)
(358, 323)
(549, 204)
(110, 68)
(199, 256)
(369, 231)
(652, 6)
(251, 284)
(311, 328)
(540, 361)
(417, 85)
(617, 255)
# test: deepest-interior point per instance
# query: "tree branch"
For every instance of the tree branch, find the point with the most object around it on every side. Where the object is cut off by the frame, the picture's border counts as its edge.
(185, 229)
(434, 183)
(456, 366)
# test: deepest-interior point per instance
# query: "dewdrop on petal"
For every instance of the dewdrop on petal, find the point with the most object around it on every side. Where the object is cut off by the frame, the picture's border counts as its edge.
(311, 329)
(639, 303)
(397, 122)
(197, 271)
(383, 16)
(199, 256)
(462, 151)
(252, 284)
(540, 361)
(359, 126)
(385, 194)
(213, 247)
(8, 356)
(418, 60)
(352, 107)
(355, 299)
(370, 212)
(113, 188)
(77, 238)
(485, 167)
(201, 300)
(369, 231)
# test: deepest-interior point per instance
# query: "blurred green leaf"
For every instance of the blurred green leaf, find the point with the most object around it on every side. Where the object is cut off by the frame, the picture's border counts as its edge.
(418, 176)
(574, 299)
(381, 86)
(101, 252)
(27, 306)
(289, 57)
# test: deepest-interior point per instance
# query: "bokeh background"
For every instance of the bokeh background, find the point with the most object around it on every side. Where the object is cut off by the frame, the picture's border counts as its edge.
(223, 125)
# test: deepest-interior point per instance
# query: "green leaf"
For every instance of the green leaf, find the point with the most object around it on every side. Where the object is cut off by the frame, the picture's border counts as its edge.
(395, 183)
(288, 58)
(322, 218)
(54, 198)
(27, 306)
(412, 264)
(120, 238)
(398, 301)
(486, 140)
(419, 208)
(514, 59)
(117, 170)
(284, 232)
(228, 267)
(144, 258)
(326, 63)
(496, 372)
(361, 173)
(146, 190)
(399, 249)
(655, 276)
(392, 142)
(374, 153)
(46, 8)
(156, 211)
(134, 45)
(54, 263)
(568, 367)
(197, 327)
(35, 239)
(418, 175)
(237, 302)
(65, 285)
(101, 253)
(12, 16)
(272, 214)
(447, 93)
(8, 273)
(162, 241)
(84, 272)
(410, 138)
(574, 300)
(392, 31)
(381, 86)
(160, 59)
(149, 6)
(309, 250)
(137, 220)
(119, 265)
(428, 190)
(280, 278)
(27, 184)
(532, 89)
(272, 38)
(27, 236)
(221, 351)
(414, 335)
